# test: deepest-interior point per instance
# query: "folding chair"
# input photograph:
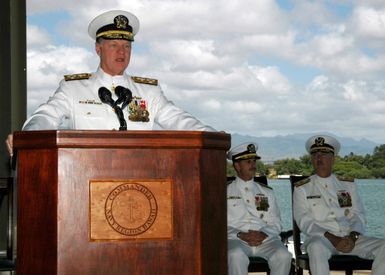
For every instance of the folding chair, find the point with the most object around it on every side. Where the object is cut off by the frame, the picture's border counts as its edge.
(8, 263)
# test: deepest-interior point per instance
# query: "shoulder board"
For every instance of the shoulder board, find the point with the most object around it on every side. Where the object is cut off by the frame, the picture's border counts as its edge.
(144, 80)
(262, 184)
(302, 182)
(348, 179)
(70, 77)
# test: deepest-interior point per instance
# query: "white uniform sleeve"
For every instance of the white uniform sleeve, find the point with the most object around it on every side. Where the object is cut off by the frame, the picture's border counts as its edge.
(170, 117)
(303, 215)
(51, 114)
(357, 220)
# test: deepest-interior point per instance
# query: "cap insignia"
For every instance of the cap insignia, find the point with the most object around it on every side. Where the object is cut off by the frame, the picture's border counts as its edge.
(121, 22)
(251, 148)
(319, 141)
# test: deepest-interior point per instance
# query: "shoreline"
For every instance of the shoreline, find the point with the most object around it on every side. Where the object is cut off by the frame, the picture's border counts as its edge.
(305, 272)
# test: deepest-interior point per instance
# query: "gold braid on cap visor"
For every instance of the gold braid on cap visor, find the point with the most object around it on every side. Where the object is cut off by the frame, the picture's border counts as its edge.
(246, 156)
(115, 34)
(323, 149)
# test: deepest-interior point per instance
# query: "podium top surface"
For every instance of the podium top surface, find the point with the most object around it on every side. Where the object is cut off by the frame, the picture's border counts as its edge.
(120, 139)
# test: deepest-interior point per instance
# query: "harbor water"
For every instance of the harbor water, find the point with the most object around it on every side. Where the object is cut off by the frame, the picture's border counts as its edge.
(372, 194)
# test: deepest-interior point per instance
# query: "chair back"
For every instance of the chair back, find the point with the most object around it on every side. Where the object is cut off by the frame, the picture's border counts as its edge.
(296, 230)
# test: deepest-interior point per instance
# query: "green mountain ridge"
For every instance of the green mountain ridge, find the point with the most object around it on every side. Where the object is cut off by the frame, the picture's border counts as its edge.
(293, 146)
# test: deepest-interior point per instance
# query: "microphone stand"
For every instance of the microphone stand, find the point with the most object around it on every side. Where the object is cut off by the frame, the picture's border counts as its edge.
(106, 97)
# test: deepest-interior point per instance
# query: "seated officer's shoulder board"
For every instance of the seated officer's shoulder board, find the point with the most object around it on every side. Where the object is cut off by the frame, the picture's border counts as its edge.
(263, 184)
(70, 77)
(302, 182)
(348, 179)
(144, 80)
(230, 180)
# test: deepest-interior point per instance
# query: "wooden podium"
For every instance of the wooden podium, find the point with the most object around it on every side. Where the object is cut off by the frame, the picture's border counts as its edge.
(110, 202)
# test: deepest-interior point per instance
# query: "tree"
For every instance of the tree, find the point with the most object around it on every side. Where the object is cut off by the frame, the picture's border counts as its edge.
(351, 165)
(288, 166)
(351, 169)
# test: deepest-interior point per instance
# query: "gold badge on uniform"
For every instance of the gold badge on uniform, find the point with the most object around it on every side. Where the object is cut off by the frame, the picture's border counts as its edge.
(344, 198)
(137, 110)
(261, 202)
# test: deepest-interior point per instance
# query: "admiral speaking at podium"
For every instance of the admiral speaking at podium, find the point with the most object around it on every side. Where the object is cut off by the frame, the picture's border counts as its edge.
(119, 202)
(93, 101)
(77, 103)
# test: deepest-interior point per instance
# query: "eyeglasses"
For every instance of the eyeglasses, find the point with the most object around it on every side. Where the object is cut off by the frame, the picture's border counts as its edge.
(322, 154)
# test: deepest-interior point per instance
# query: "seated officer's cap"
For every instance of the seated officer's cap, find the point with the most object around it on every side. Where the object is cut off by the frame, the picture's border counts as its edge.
(115, 24)
(243, 151)
(322, 143)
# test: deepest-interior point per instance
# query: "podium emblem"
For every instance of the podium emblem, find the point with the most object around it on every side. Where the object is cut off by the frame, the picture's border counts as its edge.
(131, 209)
(140, 209)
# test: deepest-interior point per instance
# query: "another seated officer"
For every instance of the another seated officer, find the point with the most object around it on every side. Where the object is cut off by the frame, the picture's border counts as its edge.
(253, 217)
(329, 211)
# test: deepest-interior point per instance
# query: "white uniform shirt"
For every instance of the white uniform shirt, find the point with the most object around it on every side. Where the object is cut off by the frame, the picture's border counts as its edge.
(76, 105)
(251, 206)
(327, 204)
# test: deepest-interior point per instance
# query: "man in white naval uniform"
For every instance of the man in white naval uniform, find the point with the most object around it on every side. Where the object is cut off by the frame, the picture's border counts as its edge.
(76, 103)
(253, 218)
(330, 213)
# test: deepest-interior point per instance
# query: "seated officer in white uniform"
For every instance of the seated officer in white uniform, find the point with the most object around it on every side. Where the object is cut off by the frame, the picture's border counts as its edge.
(76, 104)
(253, 217)
(330, 213)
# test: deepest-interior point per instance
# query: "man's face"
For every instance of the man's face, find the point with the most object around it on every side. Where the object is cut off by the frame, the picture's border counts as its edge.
(246, 169)
(114, 55)
(322, 163)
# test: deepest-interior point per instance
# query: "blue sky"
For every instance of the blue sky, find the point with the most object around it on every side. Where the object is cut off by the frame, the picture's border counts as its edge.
(273, 68)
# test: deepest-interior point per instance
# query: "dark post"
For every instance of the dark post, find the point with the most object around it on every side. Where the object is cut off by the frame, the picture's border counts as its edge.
(12, 73)
(12, 91)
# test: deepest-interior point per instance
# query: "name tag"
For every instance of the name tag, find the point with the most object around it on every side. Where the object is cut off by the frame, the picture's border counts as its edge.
(313, 197)
(234, 198)
(90, 101)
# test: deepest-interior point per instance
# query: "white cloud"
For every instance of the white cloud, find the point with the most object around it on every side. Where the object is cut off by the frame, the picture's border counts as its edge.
(368, 24)
(46, 66)
(234, 64)
(37, 37)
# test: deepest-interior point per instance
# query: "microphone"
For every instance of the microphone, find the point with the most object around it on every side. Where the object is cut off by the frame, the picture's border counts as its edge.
(124, 96)
(106, 97)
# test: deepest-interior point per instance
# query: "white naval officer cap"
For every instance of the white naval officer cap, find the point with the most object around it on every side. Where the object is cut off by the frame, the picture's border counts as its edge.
(247, 150)
(114, 24)
(322, 143)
